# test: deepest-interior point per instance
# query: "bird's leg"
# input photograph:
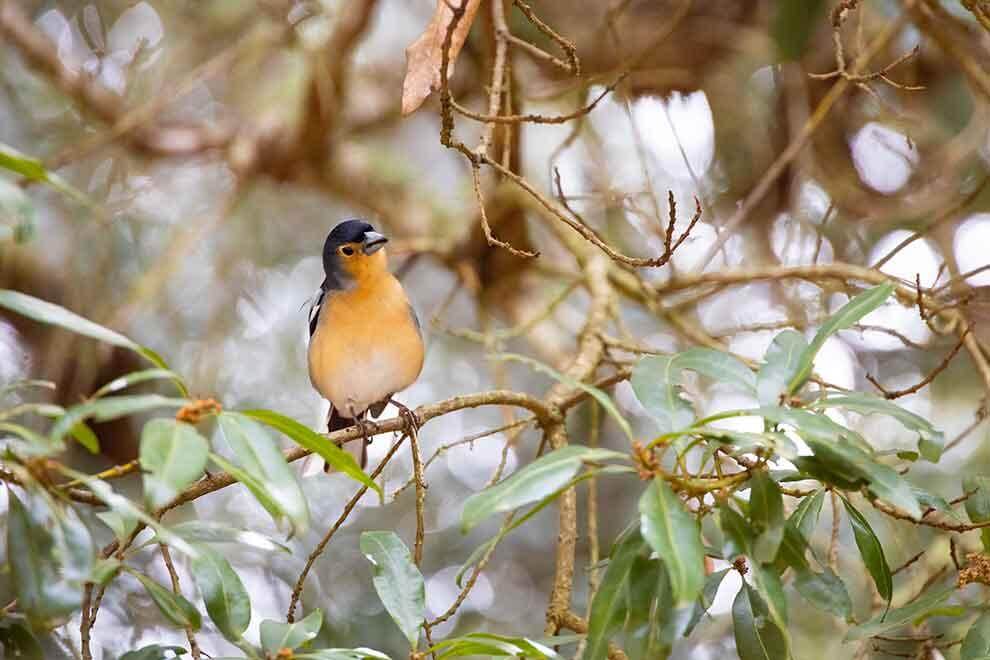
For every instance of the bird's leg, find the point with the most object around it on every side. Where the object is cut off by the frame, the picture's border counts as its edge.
(362, 425)
(412, 421)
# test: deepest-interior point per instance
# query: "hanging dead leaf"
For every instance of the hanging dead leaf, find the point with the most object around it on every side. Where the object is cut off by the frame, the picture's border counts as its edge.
(425, 55)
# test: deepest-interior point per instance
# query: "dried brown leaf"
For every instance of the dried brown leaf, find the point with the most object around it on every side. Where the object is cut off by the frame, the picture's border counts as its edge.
(425, 55)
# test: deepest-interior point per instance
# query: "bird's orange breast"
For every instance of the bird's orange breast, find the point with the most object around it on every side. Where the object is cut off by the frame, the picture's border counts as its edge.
(366, 345)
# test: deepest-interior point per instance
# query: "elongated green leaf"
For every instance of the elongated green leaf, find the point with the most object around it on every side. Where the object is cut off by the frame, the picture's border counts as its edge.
(780, 364)
(127, 510)
(17, 641)
(518, 521)
(154, 652)
(673, 533)
(976, 644)
(797, 533)
(871, 550)
(208, 531)
(360, 653)
(747, 442)
(261, 458)
(118, 524)
(902, 616)
(50, 554)
(847, 316)
(397, 580)
(33, 443)
(719, 366)
(173, 455)
(538, 480)
(656, 380)
(341, 460)
(28, 167)
(179, 611)
(824, 590)
(706, 600)
(108, 408)
(598, 395)
(757, 635)
(767, 582)
(492, 645)
(45, 312)
(227, 601)
(978, 504)
(930, 441)
(766, 513)
(805, 516)
(608, 604)
(276, 635)
(137, 377)
(25, 384)
(738, 533)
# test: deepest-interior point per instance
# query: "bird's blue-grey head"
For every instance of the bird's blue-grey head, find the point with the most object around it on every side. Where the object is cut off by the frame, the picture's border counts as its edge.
(352, 251)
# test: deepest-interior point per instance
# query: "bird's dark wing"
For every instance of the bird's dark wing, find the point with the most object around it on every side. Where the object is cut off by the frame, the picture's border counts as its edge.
(314, 311)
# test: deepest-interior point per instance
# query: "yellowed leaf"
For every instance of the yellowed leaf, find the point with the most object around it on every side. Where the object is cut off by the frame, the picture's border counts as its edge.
(424, 56)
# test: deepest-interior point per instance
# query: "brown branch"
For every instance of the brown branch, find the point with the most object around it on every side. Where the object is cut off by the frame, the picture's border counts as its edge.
(174, 576)
(290, 616)
(570, 50)
(895, 394)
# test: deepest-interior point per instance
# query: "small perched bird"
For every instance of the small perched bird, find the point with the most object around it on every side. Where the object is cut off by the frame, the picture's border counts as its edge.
(365, 340)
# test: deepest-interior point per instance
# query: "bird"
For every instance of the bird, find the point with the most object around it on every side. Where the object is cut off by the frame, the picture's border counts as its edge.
(366, 343)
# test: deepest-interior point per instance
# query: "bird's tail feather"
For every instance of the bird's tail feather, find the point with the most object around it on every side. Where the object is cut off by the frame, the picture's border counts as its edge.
(356, 448)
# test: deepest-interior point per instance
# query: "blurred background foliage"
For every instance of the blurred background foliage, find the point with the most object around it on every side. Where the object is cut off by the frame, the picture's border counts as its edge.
(172, 168)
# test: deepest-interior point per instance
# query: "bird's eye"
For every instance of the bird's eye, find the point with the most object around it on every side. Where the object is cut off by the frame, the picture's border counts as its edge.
(347, 251)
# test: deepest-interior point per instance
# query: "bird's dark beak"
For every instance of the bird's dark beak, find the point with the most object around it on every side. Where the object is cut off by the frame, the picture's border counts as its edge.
(373, 242)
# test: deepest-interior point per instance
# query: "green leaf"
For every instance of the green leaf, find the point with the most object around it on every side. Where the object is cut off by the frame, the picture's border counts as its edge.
(607, 604)
(825, 591)
(127, 510)
(227, 601)
(137, 377)
(397, 580)
(208, 531)
(85, 436)
(104, 569)
(179, 611)
(846, 317)
(120, 525)
(276, 635)
(272, 482)
(738, 533)
(673, 533)
(930, 441)
(976, 644)
(538, 480)
(28, 167)
(707, 599)
(173, 455)
(341, 460)
(794, 22)
(805, 516)
(746, 442)
(656, 381)
(719, 366)
(757, 635)
(17, 641)
(766, 513)
(902, 616)
(978, 504)
(871, 550)
(767, 583)
(26, 383)
(46, 312)
(780, 364)
(343, 654)
(492, 645)
(598, 395)
(50, 554)
(153, 652)
(103, 410)
(34, 444)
